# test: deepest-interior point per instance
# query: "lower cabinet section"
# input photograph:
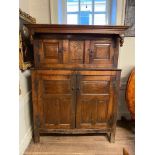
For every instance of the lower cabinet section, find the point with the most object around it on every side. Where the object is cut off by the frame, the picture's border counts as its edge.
(80, 101)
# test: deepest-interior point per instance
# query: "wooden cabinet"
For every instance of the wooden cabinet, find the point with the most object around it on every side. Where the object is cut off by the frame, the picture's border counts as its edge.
(75, 80)
(95, 98)
(56, 99)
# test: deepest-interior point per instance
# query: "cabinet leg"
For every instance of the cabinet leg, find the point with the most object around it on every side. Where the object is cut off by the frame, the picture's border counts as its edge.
(112, 137)
(36, 136)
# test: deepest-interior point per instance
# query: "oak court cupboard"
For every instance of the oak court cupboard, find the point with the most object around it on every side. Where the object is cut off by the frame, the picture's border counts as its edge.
(75, 80)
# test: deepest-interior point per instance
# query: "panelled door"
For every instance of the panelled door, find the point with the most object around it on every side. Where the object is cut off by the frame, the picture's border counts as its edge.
(95, 101)
(101, 52)
(75, 99)
(48, 52)
(56, 99)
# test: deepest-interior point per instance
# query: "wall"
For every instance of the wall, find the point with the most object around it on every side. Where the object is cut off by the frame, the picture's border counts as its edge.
(126, 60)
(25, 107)
(58, 7)
(40, 10)
(54, 11)
(25, 125)
(126, 63)
(24, 5)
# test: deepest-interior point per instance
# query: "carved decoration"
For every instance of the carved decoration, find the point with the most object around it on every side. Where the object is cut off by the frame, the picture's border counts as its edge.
(25, 47)
(26, 17)
(76, 49)
(121, 40)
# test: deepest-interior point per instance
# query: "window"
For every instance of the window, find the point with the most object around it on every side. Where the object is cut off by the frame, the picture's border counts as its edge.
(90, 12)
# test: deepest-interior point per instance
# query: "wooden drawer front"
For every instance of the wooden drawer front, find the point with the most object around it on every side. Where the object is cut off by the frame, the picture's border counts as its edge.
(95, 99)
(50, 52)
(56, 99)
(101, 52)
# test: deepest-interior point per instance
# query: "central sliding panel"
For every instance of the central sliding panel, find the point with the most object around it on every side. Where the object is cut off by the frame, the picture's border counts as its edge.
(73, 51)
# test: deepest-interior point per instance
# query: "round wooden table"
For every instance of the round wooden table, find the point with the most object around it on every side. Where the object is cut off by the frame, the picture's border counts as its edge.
(130, 94)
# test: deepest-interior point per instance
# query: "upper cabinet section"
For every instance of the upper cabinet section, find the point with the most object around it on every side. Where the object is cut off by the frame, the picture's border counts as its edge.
(73, 46)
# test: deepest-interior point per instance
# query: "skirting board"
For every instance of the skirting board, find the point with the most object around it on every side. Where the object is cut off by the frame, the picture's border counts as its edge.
(25, 141)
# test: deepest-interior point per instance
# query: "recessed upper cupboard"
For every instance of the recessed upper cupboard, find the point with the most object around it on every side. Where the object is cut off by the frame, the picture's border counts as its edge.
(70, 46)
(58, 52)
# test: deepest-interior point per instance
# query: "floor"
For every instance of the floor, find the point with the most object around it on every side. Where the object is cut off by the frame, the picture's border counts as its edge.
(86, 144)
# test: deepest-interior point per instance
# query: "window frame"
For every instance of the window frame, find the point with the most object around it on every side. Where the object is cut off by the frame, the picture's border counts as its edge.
(107, 12)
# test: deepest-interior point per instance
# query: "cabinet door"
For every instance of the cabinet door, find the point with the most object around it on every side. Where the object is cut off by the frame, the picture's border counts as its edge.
(56, 99)
(95, 99)
(48, 52)
(101, 53)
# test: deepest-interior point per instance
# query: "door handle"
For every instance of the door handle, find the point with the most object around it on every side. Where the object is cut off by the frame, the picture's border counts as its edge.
(78, 88)
(73, 89)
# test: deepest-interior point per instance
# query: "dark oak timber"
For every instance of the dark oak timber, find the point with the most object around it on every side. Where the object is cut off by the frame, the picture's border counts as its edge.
(75, 80)
(76, 29)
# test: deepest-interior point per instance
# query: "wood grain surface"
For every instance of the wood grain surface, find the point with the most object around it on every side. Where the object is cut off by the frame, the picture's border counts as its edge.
(130, 94)
(75, 80)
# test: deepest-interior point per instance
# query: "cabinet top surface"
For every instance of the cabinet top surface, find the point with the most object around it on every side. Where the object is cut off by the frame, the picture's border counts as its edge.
(76, 29)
